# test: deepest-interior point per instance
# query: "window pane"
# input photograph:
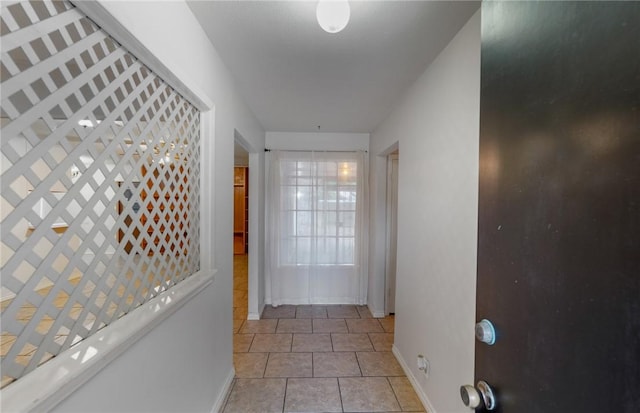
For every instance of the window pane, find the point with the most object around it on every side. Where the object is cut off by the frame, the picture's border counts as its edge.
(347, 222)
(321, 211)
(345, 251)
(303, 250)
(288, 250)
(288, 223)
(303, 196)
(288, 179)
(288, 199)
(326, 224)
(288, 169)
(304, 169)
(347, 198)
(326, 250)
(329, 169)
(347, 172)
(327, 198)
(303, 223)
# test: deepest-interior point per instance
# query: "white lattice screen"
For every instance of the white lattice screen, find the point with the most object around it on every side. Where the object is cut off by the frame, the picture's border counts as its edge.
(100, 182)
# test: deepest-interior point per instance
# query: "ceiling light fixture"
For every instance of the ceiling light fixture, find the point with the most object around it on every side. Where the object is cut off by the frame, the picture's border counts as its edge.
(333, 15)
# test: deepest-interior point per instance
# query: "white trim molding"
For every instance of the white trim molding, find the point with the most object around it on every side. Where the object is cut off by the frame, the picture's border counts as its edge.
(55, 380)
(375, 313)
(224, 393)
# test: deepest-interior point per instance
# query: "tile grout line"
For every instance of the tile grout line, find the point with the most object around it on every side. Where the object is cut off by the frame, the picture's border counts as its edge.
(264, 372)
(251, 344)
(371, 342)
(358, 361)
(286, 387)
(395, 395)
(340, 393)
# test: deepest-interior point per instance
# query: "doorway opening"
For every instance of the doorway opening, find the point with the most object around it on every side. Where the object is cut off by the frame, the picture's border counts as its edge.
(240, 233)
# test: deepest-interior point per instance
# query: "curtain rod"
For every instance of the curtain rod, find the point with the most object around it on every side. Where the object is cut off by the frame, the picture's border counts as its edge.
(311, 150)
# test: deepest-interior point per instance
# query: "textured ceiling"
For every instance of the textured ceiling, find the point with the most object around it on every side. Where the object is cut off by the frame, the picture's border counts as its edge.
(295, 77)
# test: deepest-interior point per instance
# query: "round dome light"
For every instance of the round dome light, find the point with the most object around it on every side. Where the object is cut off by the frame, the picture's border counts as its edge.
(333, 15)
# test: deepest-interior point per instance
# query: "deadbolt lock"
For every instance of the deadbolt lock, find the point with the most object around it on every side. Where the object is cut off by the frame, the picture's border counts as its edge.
(485, 332)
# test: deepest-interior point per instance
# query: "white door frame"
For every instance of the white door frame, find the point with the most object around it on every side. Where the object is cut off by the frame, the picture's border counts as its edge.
(391, 233)
(253, 298)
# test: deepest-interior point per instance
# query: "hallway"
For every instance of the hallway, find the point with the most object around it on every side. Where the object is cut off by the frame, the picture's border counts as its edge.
(307, 358)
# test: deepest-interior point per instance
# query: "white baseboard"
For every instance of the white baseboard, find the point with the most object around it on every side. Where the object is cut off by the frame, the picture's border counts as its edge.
(376, 313)
(414, 382)
(255, 316)
(222, 397)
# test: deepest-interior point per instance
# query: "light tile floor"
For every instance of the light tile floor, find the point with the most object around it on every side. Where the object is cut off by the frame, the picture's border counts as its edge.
(314, 359)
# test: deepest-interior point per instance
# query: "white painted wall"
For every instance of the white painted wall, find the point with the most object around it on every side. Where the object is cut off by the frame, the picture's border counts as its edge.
(174, 368)
(294, 141)
(185, 363)
(437, 127)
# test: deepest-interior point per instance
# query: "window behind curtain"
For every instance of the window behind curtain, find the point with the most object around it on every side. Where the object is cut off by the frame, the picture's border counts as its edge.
(318, 211)
(316, 215)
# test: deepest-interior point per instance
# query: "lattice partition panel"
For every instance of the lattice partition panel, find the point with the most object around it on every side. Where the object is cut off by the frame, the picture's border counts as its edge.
(100, 182)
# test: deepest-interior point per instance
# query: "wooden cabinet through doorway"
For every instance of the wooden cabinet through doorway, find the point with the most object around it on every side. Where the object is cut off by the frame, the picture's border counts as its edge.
(158, 217)
(240, 209)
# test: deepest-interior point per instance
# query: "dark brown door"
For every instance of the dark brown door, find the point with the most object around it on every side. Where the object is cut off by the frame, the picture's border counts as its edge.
(559, 212)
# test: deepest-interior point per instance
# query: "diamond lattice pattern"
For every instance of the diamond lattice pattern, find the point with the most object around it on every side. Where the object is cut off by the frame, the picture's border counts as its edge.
(100, 182)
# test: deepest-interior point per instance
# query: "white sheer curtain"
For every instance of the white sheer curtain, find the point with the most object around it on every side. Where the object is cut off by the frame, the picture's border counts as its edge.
(316, 208)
